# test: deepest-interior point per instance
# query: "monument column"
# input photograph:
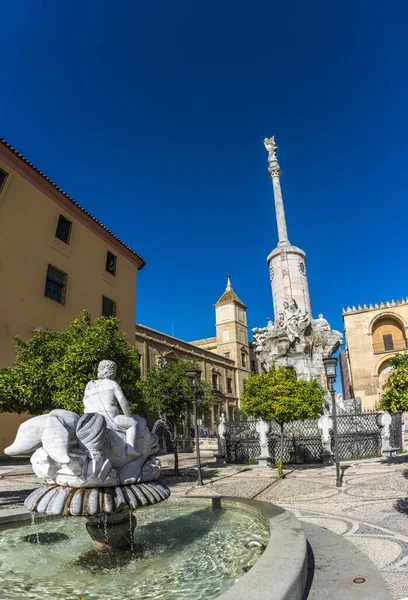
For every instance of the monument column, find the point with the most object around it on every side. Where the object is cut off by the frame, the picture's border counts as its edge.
(275, 173)
(287, 263)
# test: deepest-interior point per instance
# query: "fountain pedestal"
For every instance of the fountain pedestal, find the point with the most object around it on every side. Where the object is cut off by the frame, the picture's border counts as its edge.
(112, 532)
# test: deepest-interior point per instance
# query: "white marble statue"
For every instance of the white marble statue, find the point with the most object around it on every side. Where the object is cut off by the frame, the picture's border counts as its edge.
(262, 428)
(222, 428)
(107, 446)
(292, 320)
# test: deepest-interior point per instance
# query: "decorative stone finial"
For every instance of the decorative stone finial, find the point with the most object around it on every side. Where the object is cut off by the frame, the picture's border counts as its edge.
(229, 286)
(321, 315)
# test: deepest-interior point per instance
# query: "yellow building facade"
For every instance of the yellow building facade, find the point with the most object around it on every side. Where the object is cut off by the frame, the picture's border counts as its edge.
(55, 260)
(374, 334)
(226, 360)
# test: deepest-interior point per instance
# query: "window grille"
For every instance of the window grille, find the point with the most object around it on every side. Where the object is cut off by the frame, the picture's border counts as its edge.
(56, 284)
(108, 307)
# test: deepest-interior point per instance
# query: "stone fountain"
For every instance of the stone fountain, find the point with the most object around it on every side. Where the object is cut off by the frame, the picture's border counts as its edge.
(100, 466)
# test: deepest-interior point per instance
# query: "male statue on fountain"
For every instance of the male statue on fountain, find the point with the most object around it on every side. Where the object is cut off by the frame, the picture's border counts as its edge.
(107, 446)
(103, 396)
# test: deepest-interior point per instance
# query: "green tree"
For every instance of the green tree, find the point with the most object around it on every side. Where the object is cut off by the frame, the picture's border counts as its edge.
(166, 392)
(278, 395)
(396, 387)
(53, 367)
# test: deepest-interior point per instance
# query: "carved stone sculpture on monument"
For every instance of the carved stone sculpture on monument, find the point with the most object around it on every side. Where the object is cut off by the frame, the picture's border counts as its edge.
(107, 446)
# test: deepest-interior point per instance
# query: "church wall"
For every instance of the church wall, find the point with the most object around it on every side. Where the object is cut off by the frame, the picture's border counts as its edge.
(366, 354)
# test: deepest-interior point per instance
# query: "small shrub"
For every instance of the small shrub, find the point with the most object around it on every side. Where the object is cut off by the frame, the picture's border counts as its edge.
(279, 467)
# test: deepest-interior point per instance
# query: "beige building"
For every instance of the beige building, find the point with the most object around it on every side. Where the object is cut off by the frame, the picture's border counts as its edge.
(231, 339)
(373, 335)
(156, 348)
(55, 260)
(226, 360)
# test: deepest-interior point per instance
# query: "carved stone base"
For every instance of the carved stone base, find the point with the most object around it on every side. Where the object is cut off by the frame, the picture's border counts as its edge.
(326, 457)
(92, 502)
(112, 532)
(220, 459)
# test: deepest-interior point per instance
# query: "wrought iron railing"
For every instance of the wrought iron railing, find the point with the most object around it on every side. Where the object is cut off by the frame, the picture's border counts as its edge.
(359, 436)
(396, 440)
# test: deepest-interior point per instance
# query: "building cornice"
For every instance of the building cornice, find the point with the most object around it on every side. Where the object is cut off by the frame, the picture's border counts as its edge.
(376, 306)
(11, 157)
(153, 335)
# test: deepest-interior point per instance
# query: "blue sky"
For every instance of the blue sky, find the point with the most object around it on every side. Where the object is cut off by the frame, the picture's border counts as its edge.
(152, 114)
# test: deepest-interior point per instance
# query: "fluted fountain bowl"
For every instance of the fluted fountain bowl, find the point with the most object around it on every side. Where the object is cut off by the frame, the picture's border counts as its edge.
(93, 502)
(109, 510)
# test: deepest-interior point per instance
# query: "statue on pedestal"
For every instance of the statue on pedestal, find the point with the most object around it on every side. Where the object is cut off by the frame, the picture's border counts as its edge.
(222, 448)
(107, 446)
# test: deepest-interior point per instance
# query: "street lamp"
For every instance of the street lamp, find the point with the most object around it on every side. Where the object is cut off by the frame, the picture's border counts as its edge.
(194, 386)
(330, 365)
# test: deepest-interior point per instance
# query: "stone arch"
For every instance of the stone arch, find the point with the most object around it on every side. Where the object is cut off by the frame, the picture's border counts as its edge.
(382, 372)
(389, 314)
(381, 363)
(388, 333)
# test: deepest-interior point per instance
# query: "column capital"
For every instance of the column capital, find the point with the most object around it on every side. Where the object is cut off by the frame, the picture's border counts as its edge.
(274, 170)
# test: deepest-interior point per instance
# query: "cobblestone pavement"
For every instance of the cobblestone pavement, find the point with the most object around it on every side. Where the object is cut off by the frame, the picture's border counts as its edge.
(370, 509)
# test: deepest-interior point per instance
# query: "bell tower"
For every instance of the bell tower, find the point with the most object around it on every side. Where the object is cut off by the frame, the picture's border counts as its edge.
(232, 334)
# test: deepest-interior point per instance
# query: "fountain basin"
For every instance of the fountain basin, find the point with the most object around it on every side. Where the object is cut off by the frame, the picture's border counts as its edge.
(67, 501)
(191, 549)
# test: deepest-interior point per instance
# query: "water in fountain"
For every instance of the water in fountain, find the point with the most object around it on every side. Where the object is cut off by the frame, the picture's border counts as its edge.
(184, 550)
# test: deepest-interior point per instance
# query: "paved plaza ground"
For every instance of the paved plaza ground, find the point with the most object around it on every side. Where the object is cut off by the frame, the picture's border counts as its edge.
(370, 509)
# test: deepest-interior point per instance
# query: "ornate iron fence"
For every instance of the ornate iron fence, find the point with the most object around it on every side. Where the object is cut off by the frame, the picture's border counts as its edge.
(242, 441)
(396, 440)
(359, 435)
(302, 441)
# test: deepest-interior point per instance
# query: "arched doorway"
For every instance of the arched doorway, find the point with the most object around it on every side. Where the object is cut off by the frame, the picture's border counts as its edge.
(383, 373)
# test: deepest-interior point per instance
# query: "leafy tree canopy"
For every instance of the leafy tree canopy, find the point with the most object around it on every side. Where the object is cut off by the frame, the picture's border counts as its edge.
(166, 390)
(53, 367)
(396, 387)
(278, 395)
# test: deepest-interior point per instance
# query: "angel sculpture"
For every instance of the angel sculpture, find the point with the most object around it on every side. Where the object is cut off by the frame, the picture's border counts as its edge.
(271, 147)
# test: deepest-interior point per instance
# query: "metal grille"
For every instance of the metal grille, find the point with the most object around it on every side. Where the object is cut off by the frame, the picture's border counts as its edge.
(56, 284)
(108, 307)
(242, 441)
(396, 440)
(302, 441)
(358, 434)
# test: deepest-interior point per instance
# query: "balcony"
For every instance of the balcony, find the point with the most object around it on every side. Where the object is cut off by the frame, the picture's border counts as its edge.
(390, 346)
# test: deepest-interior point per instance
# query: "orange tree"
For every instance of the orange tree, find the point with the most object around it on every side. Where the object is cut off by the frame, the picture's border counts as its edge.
(279, 396)
(53, 367)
